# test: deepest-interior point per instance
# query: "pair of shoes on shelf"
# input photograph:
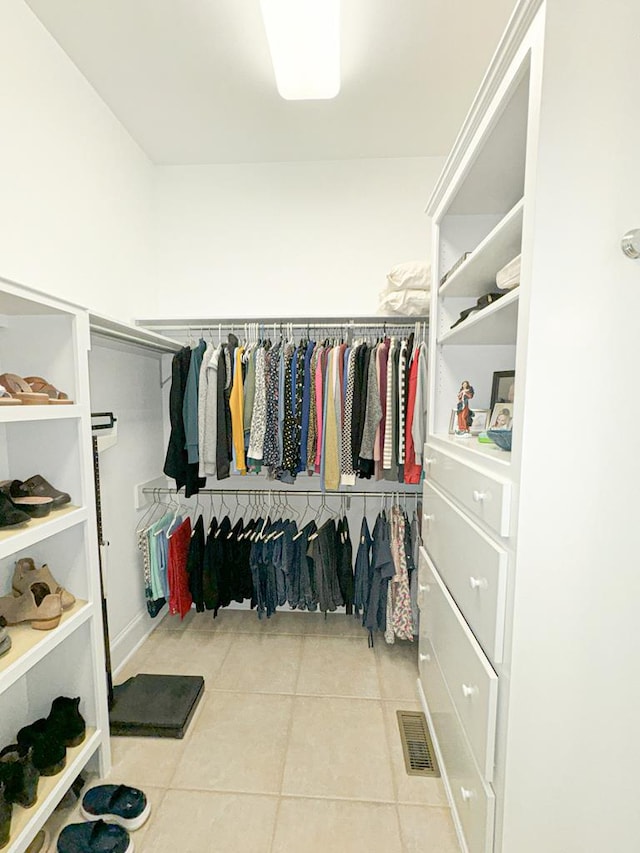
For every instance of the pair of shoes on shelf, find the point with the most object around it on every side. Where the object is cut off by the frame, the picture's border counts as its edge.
(31, 390)
(33, 498)
(36, 597)
(49, 737)
(40, 750)
(112, 812)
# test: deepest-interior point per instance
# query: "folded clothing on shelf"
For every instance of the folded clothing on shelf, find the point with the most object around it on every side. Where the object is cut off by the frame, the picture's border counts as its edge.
(509, 276)
(485, 300)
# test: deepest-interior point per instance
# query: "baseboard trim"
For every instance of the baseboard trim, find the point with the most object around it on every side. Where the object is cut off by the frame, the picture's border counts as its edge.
(129, 640)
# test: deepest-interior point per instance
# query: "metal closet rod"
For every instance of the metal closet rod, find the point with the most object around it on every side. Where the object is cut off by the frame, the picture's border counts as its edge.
(303, 493)
(297, 322)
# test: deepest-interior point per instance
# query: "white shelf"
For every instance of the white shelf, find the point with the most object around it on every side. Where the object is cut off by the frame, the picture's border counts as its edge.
(477, 275)
(474, 451)
(28, 646)
(25, 823)
(16, 414)
(494, 325)
(39, 529)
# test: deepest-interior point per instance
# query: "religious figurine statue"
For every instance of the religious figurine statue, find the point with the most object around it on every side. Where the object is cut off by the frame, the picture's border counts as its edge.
(465, 415)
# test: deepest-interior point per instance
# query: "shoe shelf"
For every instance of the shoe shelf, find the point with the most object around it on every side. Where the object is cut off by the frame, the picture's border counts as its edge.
(15, 414)
(28, 645)
(477, 275)
(494, 325)
(25, 823)
(38, 529)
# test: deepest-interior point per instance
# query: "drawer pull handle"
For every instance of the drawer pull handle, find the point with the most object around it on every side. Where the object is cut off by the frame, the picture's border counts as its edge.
(428, 517)
(424, 587)
(430, 460)
(468, 691)
(479, 497)
(467, 794)
(478, 583)
(425, 657)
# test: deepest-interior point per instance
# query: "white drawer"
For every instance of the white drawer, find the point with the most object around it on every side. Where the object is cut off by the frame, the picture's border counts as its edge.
(472, 799)
(472, 683)
(486, 496)
(473, 566)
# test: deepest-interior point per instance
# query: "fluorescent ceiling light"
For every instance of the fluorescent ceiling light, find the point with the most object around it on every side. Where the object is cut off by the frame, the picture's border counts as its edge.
(304, 40)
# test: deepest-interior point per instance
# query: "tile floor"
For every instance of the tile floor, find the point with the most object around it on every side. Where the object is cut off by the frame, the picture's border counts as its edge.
(294, 746)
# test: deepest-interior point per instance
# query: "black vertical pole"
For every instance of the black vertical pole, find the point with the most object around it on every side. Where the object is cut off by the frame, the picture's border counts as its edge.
(105, 622)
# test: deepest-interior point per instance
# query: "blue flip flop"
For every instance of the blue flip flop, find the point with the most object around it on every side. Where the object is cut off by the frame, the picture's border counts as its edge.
(98, 837)
(128, 807)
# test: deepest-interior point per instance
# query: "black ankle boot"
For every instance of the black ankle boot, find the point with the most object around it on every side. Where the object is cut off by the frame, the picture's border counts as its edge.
(49, 753)
(5, 818)
(19, 774)
(66, 721)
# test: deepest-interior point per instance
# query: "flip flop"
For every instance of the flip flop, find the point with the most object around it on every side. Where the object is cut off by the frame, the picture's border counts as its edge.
(128, 807)
(99, 837)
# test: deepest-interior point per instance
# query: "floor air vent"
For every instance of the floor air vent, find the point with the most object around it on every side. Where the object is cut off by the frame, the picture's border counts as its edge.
(419, 755)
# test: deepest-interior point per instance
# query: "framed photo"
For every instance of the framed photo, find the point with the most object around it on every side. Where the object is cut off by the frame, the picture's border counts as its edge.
(480, 421)
(501, 416)
(502, 388)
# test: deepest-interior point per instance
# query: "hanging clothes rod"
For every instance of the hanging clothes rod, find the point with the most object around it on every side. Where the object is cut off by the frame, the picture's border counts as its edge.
(303, 493)
(238, 323)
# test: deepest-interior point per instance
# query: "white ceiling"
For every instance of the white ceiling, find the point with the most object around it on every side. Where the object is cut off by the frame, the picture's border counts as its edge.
(192, 81)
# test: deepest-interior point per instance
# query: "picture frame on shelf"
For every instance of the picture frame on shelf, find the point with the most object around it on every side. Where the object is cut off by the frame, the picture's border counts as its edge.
(480, 421)
(501, 416)
(502, 387)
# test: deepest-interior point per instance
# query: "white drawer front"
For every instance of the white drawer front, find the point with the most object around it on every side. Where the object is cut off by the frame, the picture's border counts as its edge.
(472, 683)
(484, 495)
(473, 798)
(472, 565)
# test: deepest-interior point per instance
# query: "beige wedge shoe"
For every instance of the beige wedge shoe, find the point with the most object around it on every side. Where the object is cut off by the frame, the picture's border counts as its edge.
(37, 605)
(25, 574)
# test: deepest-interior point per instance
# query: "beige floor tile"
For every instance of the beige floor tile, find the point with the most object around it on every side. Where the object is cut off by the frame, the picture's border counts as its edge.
(318, 826)
(337, 666)
(409, 789)
(145, 760)
(201, 821)
(335, 625)
(186, 653)
(226, 621)
(261, 664)
(238, 743)
(171, 622)
(334, 745)
(398, 669)
(427, 830)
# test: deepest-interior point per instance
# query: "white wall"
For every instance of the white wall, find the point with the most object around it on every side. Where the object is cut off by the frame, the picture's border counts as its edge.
(74, 187)
(126, 381)
(287, 238)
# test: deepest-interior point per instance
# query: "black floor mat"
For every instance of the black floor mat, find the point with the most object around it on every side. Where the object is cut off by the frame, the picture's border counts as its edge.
(155, 705)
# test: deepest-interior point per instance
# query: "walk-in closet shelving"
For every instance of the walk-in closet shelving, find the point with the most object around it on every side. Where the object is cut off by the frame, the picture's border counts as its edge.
(480, 208)
(55, 442)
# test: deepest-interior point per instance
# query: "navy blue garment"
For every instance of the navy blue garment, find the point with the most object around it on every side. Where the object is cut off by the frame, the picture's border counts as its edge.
(345, 563)
(363, 565)
(381, 570)
(324, 553)
(303, 586)
(306, 406)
